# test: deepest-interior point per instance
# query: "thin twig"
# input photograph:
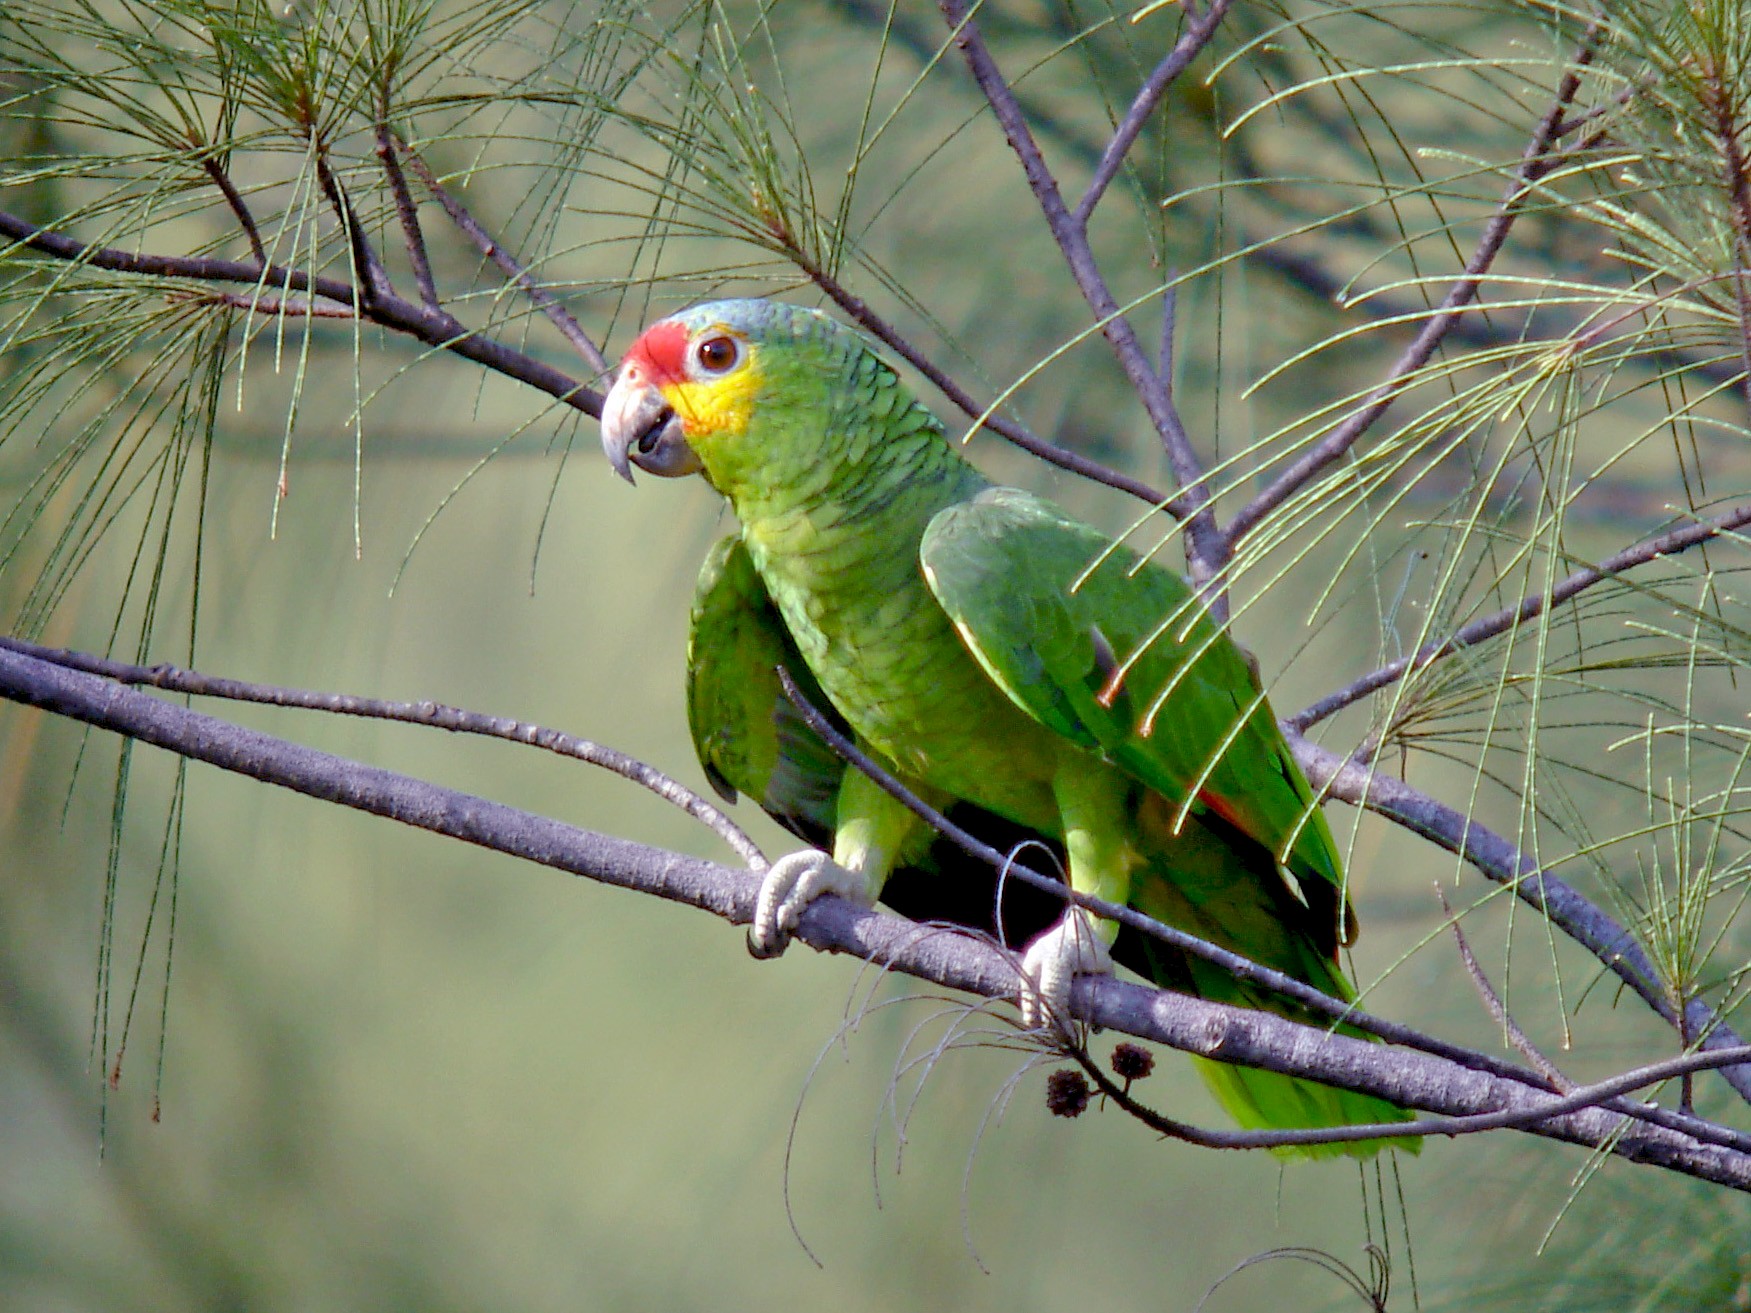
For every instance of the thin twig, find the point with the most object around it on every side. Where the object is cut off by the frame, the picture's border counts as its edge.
(435, 328)
(433, 714)
(549, 304)
(1495, 857)
(202, 268)
(408, 212)
(1497, 1009)
(952, 960)
(234, 199)
(271, 307)
(1005, 428)
(1535, 161)
(1669, 543)
(1169, 318)
(377, 284)
(1198, 31)
(1583, 1097)
(1206, 549)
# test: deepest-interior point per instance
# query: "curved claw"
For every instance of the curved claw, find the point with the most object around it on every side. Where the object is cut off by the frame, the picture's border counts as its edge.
(1069, 949)
(791, 884)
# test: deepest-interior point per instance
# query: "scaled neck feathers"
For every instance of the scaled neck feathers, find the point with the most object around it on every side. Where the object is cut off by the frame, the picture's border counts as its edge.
(835, 444)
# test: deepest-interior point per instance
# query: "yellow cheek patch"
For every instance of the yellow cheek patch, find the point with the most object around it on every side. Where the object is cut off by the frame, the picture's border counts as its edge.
(716, 408)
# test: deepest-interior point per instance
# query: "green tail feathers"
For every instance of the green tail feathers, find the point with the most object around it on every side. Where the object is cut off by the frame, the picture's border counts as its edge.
(1211, 896)
(1268, 1101)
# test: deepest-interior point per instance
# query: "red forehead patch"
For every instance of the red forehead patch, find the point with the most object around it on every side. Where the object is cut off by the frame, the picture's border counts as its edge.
(661, 352)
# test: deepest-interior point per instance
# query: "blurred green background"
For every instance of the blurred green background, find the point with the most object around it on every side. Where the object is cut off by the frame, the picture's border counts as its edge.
(396, 1073)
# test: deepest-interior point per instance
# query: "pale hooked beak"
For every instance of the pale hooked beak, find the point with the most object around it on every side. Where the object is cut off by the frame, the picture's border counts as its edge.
(640, 428)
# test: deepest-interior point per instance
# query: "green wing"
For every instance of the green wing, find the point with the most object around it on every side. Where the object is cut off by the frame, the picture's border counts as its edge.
(751, 740)
(1086, 637)
(748, 736)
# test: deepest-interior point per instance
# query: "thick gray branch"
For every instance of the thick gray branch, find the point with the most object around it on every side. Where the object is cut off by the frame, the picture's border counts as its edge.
(1566, 907)
(955, 960)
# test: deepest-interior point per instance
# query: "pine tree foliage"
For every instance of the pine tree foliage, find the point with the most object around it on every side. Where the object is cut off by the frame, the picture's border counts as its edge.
(1448, 309)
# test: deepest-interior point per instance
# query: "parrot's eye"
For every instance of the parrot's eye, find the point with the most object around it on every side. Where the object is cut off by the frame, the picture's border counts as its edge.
(718, 355)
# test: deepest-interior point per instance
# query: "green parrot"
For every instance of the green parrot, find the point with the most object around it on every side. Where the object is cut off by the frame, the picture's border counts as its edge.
(1010, 664)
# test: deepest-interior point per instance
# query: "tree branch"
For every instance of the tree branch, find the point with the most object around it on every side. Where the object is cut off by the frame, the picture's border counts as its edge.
(879, 328)
(408, 212)
(548, 304)
(434, 715)
(957, 961)
(269, 307)
(365, 260)
(1535, 162)
(1573, 1100)
(239, 208)
(1199, 29)
(435, 328)
(1206, 549)
(1497, 1009)
(1569, 910)
(1669, 543)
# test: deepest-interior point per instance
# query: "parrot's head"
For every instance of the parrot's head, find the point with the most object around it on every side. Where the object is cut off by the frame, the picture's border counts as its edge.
(727, 389)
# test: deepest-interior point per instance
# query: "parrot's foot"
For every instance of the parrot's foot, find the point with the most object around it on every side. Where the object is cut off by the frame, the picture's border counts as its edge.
(791, 884)
(1069, 949)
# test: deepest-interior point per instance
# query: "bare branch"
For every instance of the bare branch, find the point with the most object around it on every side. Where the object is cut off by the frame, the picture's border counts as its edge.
(201, 268)
(234, 199)
(1578, 1099)
(1199, 29)
(958, 961)
(1005, 428)
(408, 212)
(269, 307)
(1169, 325)
(1206, 549)
(1536, 161)
(433, 327)
(1411, 1080)
(435, 715)
(1497, 1009)
(1669, 543)
(1569, 910)
(365, 259)
(549, 304)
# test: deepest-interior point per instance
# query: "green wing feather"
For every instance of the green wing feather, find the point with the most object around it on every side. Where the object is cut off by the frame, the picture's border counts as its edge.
(1085, 637)
(748, 736)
